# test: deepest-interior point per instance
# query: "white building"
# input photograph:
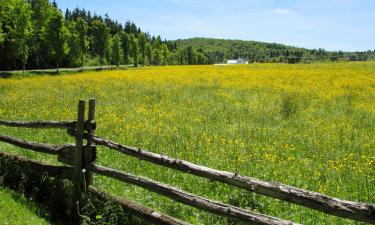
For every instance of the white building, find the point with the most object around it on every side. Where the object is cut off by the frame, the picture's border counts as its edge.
(237, 61)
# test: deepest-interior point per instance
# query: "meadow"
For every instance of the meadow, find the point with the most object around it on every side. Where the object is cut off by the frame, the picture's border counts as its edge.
(307, 125)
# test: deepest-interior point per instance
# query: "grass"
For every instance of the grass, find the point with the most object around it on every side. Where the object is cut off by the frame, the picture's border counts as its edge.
(16, 209)
(310, 126)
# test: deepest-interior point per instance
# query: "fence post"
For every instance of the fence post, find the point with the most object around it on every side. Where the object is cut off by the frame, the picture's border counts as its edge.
(89, 154)
(77, 184)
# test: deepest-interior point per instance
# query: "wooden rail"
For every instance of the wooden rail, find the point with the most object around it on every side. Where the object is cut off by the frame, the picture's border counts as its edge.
(82, 157)
(190, 199)
(44, 148)
(137, 209)
(51, 170)
(40, 124)
(347, 209)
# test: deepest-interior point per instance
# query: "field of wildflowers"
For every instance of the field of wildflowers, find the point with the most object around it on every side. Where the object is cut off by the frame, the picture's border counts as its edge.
(310, 126)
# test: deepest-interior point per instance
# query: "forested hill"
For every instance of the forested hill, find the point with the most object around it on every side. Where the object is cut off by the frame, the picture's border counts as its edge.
(220, 50)
(37, 34)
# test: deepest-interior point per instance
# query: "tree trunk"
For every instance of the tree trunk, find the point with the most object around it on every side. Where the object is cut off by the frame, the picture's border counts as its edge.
(82, 61)
(57, 68)
(23, 67)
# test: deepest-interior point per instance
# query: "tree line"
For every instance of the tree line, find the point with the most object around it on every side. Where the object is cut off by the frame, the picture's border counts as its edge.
(36, 34)
(219, 50)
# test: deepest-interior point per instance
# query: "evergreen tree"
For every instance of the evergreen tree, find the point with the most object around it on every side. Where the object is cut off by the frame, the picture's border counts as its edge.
(56, 34)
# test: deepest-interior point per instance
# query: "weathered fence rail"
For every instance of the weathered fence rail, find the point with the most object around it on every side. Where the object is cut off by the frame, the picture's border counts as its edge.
(51, 170)
(40, 124)
(314, 200)
(80, 158)
(137, 209)
(44, 148)
(189, 199)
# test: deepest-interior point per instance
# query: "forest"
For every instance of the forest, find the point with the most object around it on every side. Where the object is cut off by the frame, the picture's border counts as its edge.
(36, 34)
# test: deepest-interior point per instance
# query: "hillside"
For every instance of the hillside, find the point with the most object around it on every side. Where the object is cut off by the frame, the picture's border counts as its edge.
(219, 50)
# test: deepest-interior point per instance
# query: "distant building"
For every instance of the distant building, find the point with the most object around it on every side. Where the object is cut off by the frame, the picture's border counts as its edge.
(237, 61)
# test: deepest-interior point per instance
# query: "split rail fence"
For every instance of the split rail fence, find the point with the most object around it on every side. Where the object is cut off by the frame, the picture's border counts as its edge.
(79, 160)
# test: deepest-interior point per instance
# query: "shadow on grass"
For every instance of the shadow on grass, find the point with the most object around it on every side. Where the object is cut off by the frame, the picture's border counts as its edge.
(17, 74)
(51, 198)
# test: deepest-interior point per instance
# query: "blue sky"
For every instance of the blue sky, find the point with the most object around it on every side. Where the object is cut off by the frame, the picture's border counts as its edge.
(331, 24)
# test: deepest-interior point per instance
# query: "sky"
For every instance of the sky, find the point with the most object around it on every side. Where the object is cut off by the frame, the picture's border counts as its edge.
(347, 25)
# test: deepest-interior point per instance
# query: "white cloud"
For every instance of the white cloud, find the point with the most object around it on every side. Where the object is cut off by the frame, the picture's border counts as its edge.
(283, 11)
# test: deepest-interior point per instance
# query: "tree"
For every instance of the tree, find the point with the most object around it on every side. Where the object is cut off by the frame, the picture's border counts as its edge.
(125, 45)
(100, 34)
(166, 54)
(82, 28)
(134, 47)
(156, 56)
(142, 48)
(39, 49)
(108, 50)
(148, 53)
(73, 56)
(116, 50)
(1, 33)
(23, 31)
(56, 36)
(190, 55)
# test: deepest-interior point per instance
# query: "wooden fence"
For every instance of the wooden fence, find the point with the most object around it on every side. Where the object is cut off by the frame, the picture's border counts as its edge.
(80, 166)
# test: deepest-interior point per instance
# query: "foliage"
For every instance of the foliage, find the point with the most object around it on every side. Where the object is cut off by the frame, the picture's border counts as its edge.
(100, 34)
(56, 35)
(87, 35)
(116, 50)
(82, 28)
(142, 47)
(22, 31)
(310, 126)
(108, 50)
(220, 50)
(1, 33)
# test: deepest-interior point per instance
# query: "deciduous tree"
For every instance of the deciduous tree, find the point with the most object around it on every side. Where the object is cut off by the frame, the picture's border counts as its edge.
(142, 48)
(100, 34)
(82, 28)
(116, 50)
(108, 50)
(134, 47)
(56, 35)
